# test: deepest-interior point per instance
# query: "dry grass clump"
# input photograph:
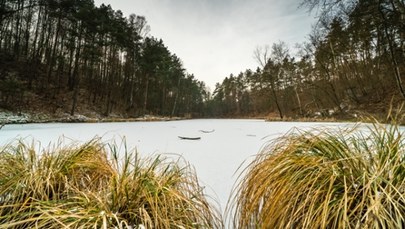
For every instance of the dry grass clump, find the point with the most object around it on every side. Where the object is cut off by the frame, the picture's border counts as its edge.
(344, 179)
(89, 186)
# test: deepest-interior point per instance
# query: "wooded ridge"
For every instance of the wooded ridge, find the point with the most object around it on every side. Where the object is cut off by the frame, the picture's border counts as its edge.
(67, 57)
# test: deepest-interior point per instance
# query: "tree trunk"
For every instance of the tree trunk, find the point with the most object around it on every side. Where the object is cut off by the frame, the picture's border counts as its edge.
(176, 98)
(395, 66)
(145, 102)
(55, 43)
(298, 100)
(276, 101)
(76, 76)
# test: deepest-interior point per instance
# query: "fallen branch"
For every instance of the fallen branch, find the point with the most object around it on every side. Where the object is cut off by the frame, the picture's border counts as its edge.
(207, 131)
(189, 138)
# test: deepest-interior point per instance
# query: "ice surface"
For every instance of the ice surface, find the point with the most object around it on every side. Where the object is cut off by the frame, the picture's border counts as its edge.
(216, 157)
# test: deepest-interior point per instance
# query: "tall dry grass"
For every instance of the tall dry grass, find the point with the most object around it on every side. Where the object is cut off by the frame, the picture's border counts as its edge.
(95, 186)
(351, 178)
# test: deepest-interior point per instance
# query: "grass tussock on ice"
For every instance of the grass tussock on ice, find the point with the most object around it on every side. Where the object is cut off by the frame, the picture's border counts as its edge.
(91, 186)
(325, 179)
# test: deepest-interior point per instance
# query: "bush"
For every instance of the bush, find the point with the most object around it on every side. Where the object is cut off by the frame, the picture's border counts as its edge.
(89, 186)
(322, 179)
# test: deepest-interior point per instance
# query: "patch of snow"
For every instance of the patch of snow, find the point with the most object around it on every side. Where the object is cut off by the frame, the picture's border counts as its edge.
(7, 117)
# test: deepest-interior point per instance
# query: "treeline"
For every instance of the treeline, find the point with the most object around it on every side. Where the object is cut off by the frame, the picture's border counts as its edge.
(354, 61)
(74, 54)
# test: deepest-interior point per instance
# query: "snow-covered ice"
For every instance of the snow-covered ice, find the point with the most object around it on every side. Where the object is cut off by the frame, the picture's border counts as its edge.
(216, 157)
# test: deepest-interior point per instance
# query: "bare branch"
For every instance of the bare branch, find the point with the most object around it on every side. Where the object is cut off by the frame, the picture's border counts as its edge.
(261, 54)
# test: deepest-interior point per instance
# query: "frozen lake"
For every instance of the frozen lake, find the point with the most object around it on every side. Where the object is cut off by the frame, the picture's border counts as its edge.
(216, 157)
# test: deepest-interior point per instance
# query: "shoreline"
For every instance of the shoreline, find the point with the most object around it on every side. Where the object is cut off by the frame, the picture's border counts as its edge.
(83, 119)
(8, 117)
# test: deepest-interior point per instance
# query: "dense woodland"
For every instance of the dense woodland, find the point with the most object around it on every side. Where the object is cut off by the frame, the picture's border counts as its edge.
(70, 56)
(353, 62)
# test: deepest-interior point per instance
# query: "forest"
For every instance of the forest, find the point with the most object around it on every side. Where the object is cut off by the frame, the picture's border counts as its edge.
(70, 56)
(353, 63)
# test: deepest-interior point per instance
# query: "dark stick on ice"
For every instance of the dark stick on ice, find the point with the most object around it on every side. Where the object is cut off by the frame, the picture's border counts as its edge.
(207, 131)
(189, 138)
(1, 125)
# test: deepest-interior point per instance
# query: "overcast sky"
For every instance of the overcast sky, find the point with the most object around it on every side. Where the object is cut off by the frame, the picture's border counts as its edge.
(215, 38)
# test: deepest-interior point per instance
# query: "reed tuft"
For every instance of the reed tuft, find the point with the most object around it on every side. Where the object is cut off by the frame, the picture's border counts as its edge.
(97, 186)
(322, 179)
